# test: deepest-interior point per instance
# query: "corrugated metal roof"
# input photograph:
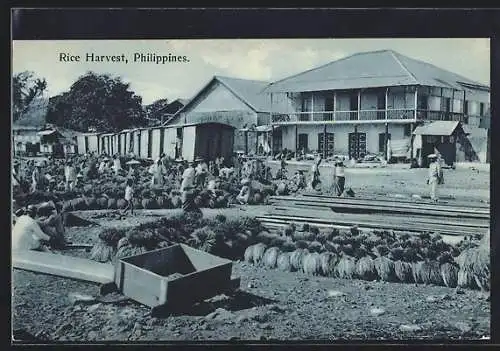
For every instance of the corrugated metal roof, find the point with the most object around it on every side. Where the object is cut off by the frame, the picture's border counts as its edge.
(251, 92)
(437, 128)
(371, 69)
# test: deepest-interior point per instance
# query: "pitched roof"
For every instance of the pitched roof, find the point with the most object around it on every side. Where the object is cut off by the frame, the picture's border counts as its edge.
(444, 128)
(251, 92)
(373, 69)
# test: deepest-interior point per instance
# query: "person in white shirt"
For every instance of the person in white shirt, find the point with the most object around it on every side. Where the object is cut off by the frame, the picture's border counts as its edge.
(103, 166)
(435, 176)
(129, 195)
(201, 172)
(37, 178)
(117, 166)
(188, 177)
(70, 176)
(158, 172)
(339, 177)
(27, 234)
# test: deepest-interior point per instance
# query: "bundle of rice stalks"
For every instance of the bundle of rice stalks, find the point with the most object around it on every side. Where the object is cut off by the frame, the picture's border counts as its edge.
(79, 204)
(385, 269)
(176, 201)
(248, 256)
(288, 245)
(271, 256)
(365, 268)
(102, 202)
(301, 244)
(417, 272)
(112, 205)
(266, 238)
(403, 271)
(465, 279)
(331, 247)
(315, 246)
(278, 240)
(149, 204)
(204, 239)
(299, 236)
(297, 258)
(111, 236)
(322, 237)
(328, 263)
(381, 250)
(347, 249)
(346, 267)
(121, 204)
(91, 203)
(258, 253)
(312, 264)
(288, 231)
(126, 249)
(220, 218)
(102, 252)
(449, 274)
(283, 262)
(431, 273)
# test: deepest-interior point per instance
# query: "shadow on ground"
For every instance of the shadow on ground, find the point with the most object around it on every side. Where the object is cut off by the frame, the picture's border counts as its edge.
(239, 300)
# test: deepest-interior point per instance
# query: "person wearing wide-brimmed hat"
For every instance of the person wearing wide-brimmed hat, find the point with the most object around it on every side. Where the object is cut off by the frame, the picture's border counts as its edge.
(435, 174)
(37, 178)
(188, 176)
(245, 192)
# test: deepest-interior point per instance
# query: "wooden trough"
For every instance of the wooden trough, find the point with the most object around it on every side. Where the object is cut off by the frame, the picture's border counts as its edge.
(176, 275)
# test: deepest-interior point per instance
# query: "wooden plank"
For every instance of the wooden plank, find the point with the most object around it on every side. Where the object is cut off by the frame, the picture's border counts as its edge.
(348, 202)
(63, 266)
(307, 212)
(381, 219)
(369, 196)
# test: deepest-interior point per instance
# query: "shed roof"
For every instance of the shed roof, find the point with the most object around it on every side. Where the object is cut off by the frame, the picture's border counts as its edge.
(373, 69)
(444, 128)
(251, 92)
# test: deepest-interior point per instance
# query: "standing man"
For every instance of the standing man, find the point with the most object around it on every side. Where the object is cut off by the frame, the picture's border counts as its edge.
(70, 176)
(188, 177)
(37, 178)
(434, 176)
(339, 177)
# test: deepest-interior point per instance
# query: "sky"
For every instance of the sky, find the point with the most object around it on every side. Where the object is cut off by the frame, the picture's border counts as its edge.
(268, 60)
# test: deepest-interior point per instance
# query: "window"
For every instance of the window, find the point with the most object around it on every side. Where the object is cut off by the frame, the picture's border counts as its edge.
(381, 141)
(407, 130)
(329, 143)
(481, 109)
(277, 140)
(86, 142)
(303, 142)
(466, 107)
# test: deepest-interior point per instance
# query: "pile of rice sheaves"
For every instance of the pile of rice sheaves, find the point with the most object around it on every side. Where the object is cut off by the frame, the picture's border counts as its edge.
(475, 270)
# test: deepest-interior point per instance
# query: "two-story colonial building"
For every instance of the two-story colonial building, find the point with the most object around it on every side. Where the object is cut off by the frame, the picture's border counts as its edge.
(367, 102)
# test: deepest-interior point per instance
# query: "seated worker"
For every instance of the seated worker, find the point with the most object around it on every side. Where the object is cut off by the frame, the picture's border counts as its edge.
(188, 204)
(51, 221)
(245, 193)
(27, 234)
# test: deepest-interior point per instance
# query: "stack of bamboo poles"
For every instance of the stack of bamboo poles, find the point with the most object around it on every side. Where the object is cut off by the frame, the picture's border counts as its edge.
(385, 214)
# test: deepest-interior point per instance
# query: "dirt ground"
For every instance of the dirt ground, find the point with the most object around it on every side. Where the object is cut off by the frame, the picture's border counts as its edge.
(400, 179)
(270, 305)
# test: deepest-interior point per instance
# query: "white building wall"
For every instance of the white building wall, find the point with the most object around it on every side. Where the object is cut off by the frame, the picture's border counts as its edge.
(169, 142)
(341, 135)
(155, 152)
(219, 99)
(93, 143)
(144, 143)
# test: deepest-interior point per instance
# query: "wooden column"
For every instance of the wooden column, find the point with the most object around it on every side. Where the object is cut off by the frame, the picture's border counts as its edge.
(359, 103)
(386, 102)
(246, 141)
(334, 104)
(386, 138)
(296, 139)
(411, 141)
(271, 140)
(452, 104)
(463, 109)
(312, 106)
(325, 141)
(416, 102)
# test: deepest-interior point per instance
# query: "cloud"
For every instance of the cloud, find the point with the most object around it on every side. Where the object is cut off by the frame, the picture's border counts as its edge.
(270, 60)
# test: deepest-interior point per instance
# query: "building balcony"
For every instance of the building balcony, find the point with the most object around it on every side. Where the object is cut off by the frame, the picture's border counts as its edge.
(346, 117)
(373, 116)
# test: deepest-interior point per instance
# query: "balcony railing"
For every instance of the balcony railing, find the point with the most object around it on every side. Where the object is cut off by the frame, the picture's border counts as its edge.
(330, 116)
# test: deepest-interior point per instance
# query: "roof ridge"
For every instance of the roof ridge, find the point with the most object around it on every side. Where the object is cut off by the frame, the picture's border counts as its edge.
(331, 62)
(237, 78)
(396, 55)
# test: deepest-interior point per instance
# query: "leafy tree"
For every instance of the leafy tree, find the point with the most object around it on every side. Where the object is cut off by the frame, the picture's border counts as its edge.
(154, 110)
(97, 101)
(26, 88)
